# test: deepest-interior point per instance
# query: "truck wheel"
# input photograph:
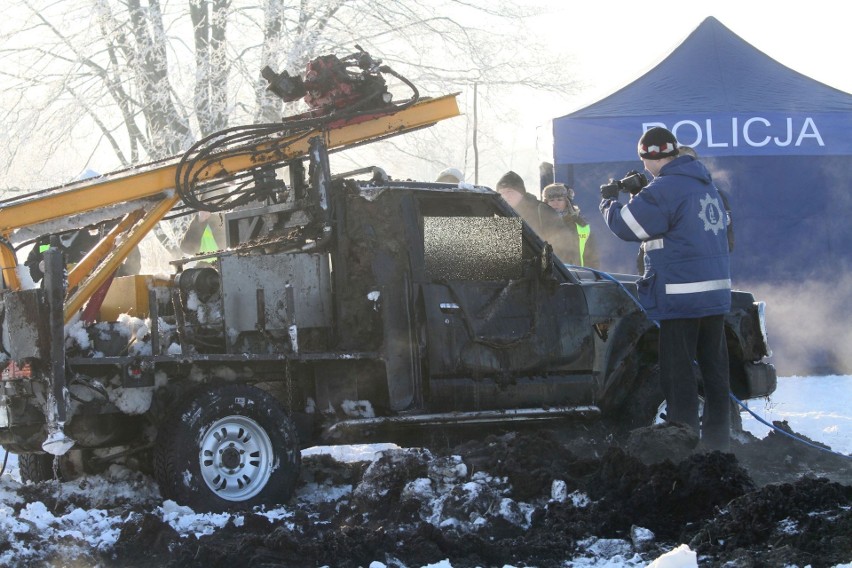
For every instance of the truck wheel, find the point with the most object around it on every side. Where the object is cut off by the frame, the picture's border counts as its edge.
(646, 402)
(229, 448)
(37, 467)
(662, 411)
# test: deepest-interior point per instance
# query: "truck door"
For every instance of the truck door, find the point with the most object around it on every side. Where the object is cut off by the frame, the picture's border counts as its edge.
(502, 328)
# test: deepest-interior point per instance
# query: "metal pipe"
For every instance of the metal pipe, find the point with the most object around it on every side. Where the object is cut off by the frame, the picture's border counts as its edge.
(54, 285)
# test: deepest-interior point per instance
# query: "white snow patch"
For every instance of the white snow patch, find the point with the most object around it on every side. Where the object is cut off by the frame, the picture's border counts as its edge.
(680, 557)
(92, 526)
(558, 491)
(580, 500)
(132, 401)
(277, 514)
(184, 520)
(76, 334)
(817, 407)
(420, 489)
(358, 408)
(224, 372)
(351, 454)
(605, 553)
(788, 526)
(323, 493)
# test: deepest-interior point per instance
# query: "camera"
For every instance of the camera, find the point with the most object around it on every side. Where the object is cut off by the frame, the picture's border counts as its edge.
(631, 183)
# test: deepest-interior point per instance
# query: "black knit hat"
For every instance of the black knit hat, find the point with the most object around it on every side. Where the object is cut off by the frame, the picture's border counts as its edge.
(657, 143)
(511, 180)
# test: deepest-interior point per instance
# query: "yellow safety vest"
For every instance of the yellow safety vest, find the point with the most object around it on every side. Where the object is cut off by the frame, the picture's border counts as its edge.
(583, 232)
(208, 242)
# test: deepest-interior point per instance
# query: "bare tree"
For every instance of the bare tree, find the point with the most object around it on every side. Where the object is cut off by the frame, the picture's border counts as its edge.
(139, 80)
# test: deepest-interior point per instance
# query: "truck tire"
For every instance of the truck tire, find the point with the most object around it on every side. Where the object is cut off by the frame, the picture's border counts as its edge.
(37, 467)
(225, 449)
(645, 403)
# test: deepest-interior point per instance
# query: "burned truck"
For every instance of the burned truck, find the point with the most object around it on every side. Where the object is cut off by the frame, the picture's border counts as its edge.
(344, 308)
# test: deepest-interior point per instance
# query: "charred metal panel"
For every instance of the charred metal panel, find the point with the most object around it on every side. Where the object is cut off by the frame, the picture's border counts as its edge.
(26, 327)
(307, 275)
(340, 382)
(245, 225)
(507, 328)
(466, 394)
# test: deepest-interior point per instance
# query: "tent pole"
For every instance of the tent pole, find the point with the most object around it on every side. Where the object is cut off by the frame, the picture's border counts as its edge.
(475, 131)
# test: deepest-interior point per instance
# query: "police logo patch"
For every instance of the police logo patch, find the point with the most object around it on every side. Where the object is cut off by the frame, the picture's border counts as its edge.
(711, 214)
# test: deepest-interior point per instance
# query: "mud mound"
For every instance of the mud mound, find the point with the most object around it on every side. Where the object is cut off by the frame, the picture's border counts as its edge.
(808, 522)
(530, 461)
(664, 498)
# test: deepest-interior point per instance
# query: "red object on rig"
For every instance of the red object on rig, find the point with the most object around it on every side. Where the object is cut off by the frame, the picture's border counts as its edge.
(329, 84)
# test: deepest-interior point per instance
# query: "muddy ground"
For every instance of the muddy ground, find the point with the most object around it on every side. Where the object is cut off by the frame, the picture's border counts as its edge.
(534, 498)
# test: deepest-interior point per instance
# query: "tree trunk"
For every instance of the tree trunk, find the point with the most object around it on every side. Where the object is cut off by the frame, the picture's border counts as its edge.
(168, 131)
(209, 24)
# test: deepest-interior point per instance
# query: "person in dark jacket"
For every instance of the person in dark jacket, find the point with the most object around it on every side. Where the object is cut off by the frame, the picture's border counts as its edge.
(541, 218)
(686, 285)
(75, 245)
(560, 198)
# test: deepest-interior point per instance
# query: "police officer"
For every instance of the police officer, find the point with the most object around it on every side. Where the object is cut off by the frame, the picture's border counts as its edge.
(686, 286)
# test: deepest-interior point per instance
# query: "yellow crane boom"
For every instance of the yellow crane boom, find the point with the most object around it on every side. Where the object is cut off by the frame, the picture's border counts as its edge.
(153, 187)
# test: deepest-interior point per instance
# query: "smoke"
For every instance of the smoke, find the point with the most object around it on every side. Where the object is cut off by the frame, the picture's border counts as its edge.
(808, 326)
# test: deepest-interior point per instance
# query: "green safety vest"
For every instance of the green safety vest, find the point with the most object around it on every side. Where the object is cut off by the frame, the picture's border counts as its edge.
(208, 243)
(583, 232)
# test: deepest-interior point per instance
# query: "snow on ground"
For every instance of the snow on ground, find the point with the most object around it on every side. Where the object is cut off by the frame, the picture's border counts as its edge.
(817, 407)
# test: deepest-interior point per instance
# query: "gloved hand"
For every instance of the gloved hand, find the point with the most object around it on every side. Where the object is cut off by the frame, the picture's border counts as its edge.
(609, 191)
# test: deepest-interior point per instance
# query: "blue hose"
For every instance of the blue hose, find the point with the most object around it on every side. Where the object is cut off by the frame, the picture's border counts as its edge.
(611, 278)
(788, 434)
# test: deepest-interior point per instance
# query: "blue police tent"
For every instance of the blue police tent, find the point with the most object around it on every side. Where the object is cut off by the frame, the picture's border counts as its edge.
(780, 144)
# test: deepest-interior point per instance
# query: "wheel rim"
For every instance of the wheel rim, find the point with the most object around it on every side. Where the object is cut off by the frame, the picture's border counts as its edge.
(660, 414)
(236, 458)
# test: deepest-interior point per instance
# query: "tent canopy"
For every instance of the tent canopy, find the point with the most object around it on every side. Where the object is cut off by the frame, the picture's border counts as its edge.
(718, 93)
(776, 140)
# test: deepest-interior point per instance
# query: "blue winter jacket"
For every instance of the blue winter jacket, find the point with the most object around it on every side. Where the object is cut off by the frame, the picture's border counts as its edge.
(680, 220)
